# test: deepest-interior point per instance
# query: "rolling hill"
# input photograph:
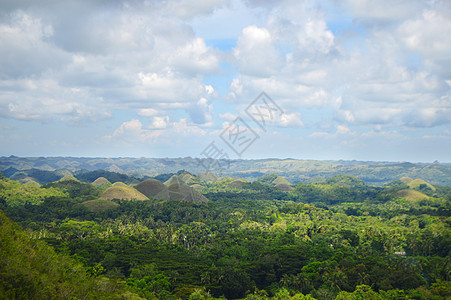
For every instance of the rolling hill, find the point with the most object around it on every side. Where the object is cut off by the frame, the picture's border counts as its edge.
(45, 169)
(122, 192)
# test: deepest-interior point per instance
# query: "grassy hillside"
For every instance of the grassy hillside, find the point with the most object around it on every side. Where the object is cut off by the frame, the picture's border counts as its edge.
(151, 187)
(101, 181)
(122, 192)
(412, 195)
(419, 183)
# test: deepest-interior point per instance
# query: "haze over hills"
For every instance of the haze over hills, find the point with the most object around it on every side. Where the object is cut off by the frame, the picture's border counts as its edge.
(295, 170)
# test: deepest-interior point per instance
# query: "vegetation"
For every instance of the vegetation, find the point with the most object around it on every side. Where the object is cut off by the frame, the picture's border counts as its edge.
(335, 239)
(30, 269)
(129, 170)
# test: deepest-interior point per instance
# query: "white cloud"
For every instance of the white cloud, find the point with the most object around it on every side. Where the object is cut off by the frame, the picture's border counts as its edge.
(428, 35)
(341, 129)
(24, 47)
(147, 112)
(228, 116)
(195, 57)
(182, 127)
(187, 9)
(256, 54)
(290, 120)
(161, 130)
(382, 12)
(201, 113)
(129, 55)
(133, 126)
(319, 134)
(160, 122)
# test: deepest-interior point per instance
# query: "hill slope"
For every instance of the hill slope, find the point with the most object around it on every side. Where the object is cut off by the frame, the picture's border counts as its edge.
(122, 192)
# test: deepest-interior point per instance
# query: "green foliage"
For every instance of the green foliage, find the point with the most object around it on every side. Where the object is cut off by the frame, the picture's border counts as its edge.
(149, 283)
(14, 193)
(336, 239)
(100, 205)
(346, 180)
(90, 176)
(30, 269)
(362, 292)
(75, 189)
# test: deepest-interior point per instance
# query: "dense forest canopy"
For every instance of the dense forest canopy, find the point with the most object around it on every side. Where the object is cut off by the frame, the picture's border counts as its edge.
(335, 238)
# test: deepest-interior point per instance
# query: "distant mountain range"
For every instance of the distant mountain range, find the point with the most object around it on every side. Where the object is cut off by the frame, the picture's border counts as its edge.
(46, 169)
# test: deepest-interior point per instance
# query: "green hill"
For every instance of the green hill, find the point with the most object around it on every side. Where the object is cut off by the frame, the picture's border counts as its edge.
(122, 192)
(188, 179)
(406, 180)
(173, 179)
(68, 178)
(346, 180)
(281, 180)
(32, 183)
(237, 183)
(151, 187)
(101, 181)
(182, 192)
(45, 170)
(15, 193)
(419, 183)
(412, 195)
(207, 176)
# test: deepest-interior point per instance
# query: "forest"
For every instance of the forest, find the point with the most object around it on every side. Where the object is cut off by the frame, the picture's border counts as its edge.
(104, 235)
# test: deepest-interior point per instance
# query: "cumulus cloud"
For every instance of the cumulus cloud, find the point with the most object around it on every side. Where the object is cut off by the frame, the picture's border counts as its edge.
(157, 131)
(24, 47)
(147, 112)
(256, 54)
(129, 55)
(228, 116)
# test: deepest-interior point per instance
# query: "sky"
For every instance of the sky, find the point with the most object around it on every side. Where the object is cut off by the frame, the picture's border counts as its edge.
(351, 79)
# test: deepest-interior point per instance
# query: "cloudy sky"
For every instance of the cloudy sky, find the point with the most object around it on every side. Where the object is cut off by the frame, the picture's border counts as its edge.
(355, 79)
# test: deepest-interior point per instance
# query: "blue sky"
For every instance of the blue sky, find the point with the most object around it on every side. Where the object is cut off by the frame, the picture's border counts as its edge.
(356, 79)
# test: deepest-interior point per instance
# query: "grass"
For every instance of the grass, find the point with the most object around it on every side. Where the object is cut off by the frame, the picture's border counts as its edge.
(237, 183)
(182, 192)
(406, 180)
(281, 180)
(151, 187)
(417, 182)
(69, 178)
(122, 192)
(412, 195)
(101, 181)
(172, 180)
